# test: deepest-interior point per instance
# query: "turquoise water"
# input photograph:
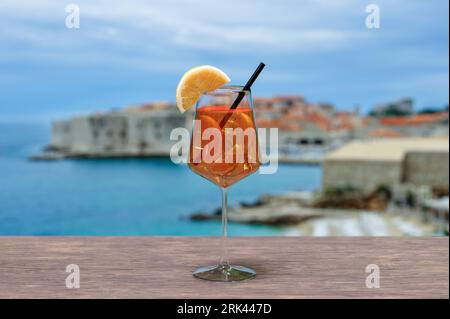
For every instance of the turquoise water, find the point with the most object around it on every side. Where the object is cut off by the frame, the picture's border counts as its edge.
(118, 196)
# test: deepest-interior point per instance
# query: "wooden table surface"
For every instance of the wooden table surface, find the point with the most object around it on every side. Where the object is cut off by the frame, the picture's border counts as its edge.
(161, 267)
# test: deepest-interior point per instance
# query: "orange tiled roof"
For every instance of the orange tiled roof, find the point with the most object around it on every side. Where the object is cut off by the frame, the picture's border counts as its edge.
(414, 120)
(295, 116)
(321, 121)
(279, 98)
(345, 126)
(344, 120)
(262, 99)
(384, 132)
(318, 119)
(291, 127)
(267, 123)
(343, 115)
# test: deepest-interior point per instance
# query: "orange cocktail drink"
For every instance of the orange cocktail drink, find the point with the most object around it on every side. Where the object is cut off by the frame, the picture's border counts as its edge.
(224, 146)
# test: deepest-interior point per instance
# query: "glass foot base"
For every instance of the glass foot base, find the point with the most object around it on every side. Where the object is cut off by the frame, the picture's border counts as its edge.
(224, 273)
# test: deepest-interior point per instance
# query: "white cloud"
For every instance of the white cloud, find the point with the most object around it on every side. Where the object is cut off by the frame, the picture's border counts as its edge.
(271, 39)
(317, 47)
(168, 35)
(164, 26)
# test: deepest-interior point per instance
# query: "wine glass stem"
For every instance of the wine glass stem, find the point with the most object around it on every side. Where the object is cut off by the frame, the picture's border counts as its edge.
(224, 257)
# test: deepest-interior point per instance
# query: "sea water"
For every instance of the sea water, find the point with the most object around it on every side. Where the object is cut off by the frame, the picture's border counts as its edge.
(119, 196)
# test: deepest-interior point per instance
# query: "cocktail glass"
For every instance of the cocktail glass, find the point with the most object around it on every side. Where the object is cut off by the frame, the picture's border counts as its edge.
(224, 149)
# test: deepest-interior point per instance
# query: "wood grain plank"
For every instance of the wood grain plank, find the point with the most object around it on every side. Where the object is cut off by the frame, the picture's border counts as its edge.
(161, 267)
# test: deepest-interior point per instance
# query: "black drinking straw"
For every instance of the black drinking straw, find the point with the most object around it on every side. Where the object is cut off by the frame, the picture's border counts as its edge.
(242, 93)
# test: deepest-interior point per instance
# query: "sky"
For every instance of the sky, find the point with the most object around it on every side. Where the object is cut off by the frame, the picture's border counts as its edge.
(131, 52)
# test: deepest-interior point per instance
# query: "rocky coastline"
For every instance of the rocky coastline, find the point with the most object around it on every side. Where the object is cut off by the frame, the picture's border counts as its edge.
(317, 213)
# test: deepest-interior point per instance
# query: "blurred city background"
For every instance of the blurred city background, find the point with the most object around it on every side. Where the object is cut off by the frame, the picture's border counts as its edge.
(86, 114)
